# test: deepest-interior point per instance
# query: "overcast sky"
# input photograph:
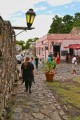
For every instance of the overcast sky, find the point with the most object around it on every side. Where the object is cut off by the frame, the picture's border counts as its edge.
(14, 11)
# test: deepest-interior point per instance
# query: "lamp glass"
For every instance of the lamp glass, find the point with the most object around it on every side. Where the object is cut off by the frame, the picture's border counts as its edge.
(32, 19)
(28, 18)
(30, 15)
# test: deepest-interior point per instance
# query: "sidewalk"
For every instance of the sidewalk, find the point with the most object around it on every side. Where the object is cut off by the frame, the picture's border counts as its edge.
(39, 105)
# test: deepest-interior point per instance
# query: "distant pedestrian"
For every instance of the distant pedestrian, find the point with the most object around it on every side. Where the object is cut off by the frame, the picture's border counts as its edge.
(57, 58)
(20, 74)
(27, 69)
(49, 59)
(36, 62)
(32, 60)
(74, 63)
(54, 64)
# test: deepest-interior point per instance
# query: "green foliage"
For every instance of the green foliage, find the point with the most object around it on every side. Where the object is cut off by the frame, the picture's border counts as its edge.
(75, 118)
(77, 16)
(48, 66)
(68, 19)
(27, 43)
(77, 20)
(56, 26)
(65, 24)
(35, 39)
(68, 23)
(21, 43)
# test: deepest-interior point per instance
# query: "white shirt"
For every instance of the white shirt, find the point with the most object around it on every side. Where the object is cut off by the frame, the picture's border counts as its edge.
(18, 57)
(74, 60)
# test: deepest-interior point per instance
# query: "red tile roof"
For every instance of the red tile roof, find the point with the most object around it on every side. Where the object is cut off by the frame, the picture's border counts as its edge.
(63, 36)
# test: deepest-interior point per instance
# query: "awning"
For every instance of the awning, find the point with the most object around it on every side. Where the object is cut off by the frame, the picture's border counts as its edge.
(73, 46)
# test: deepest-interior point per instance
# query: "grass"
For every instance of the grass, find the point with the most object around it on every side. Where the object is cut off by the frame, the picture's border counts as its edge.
(75, 118)
(77, 79)
(68, 92)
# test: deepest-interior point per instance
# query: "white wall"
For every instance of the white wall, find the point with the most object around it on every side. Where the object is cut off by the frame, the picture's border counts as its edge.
(67, 43)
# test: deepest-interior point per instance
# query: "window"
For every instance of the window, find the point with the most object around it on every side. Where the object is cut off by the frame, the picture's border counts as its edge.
(64, 52)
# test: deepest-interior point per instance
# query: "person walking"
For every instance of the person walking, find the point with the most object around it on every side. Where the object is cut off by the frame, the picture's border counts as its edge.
(49, 58)
(54, 64)
(57, 58)
(74, 63)
(32, 60)
(36, 62)
(27, 69)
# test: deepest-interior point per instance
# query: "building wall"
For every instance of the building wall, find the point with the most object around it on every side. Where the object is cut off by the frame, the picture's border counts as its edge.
(66, 43)
(62, 39)
(41, 44)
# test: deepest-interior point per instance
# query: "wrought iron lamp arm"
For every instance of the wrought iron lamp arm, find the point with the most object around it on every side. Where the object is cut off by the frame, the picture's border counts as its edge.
(20, 32)
(21, 28)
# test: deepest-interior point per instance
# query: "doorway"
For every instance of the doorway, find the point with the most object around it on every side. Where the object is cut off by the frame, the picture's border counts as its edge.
(56, 49)
(71, 52)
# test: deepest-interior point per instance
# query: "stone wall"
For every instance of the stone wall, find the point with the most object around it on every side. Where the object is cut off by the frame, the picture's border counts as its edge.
(8, 73)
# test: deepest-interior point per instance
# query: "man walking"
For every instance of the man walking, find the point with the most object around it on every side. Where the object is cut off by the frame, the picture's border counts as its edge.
(36, 62)
(74, 63)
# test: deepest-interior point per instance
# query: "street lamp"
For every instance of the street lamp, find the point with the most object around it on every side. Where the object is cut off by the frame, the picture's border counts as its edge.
(30, 15)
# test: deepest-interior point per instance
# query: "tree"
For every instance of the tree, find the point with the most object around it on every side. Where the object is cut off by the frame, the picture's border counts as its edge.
(68, 23)
(57, 25)
(35, 39)
(26, 45)
(68, 19)
(77, 19)
(77, 16)
(29, 41)
(21, 43)
(65, 24)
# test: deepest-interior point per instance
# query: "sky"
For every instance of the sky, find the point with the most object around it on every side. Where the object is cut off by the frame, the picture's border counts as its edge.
(14, 11)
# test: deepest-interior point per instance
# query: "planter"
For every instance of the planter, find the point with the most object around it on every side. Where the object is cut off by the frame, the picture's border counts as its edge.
(49, 76)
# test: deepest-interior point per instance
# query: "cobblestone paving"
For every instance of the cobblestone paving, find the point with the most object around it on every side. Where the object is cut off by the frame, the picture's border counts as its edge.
(64, 72)
(41, 104)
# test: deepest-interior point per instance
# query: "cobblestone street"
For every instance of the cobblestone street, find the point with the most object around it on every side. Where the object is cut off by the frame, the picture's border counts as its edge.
(41, 104)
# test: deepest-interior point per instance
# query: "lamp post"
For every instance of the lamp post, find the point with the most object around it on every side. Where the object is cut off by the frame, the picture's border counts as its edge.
(30, 15)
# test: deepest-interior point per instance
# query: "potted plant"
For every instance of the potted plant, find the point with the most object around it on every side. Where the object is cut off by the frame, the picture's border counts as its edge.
(48, 70)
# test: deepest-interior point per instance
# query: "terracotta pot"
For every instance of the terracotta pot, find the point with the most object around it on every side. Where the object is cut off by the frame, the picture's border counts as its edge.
(49, 76)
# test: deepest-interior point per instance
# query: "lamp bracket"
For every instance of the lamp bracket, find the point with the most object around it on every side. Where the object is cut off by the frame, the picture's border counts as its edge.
(22, 28)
